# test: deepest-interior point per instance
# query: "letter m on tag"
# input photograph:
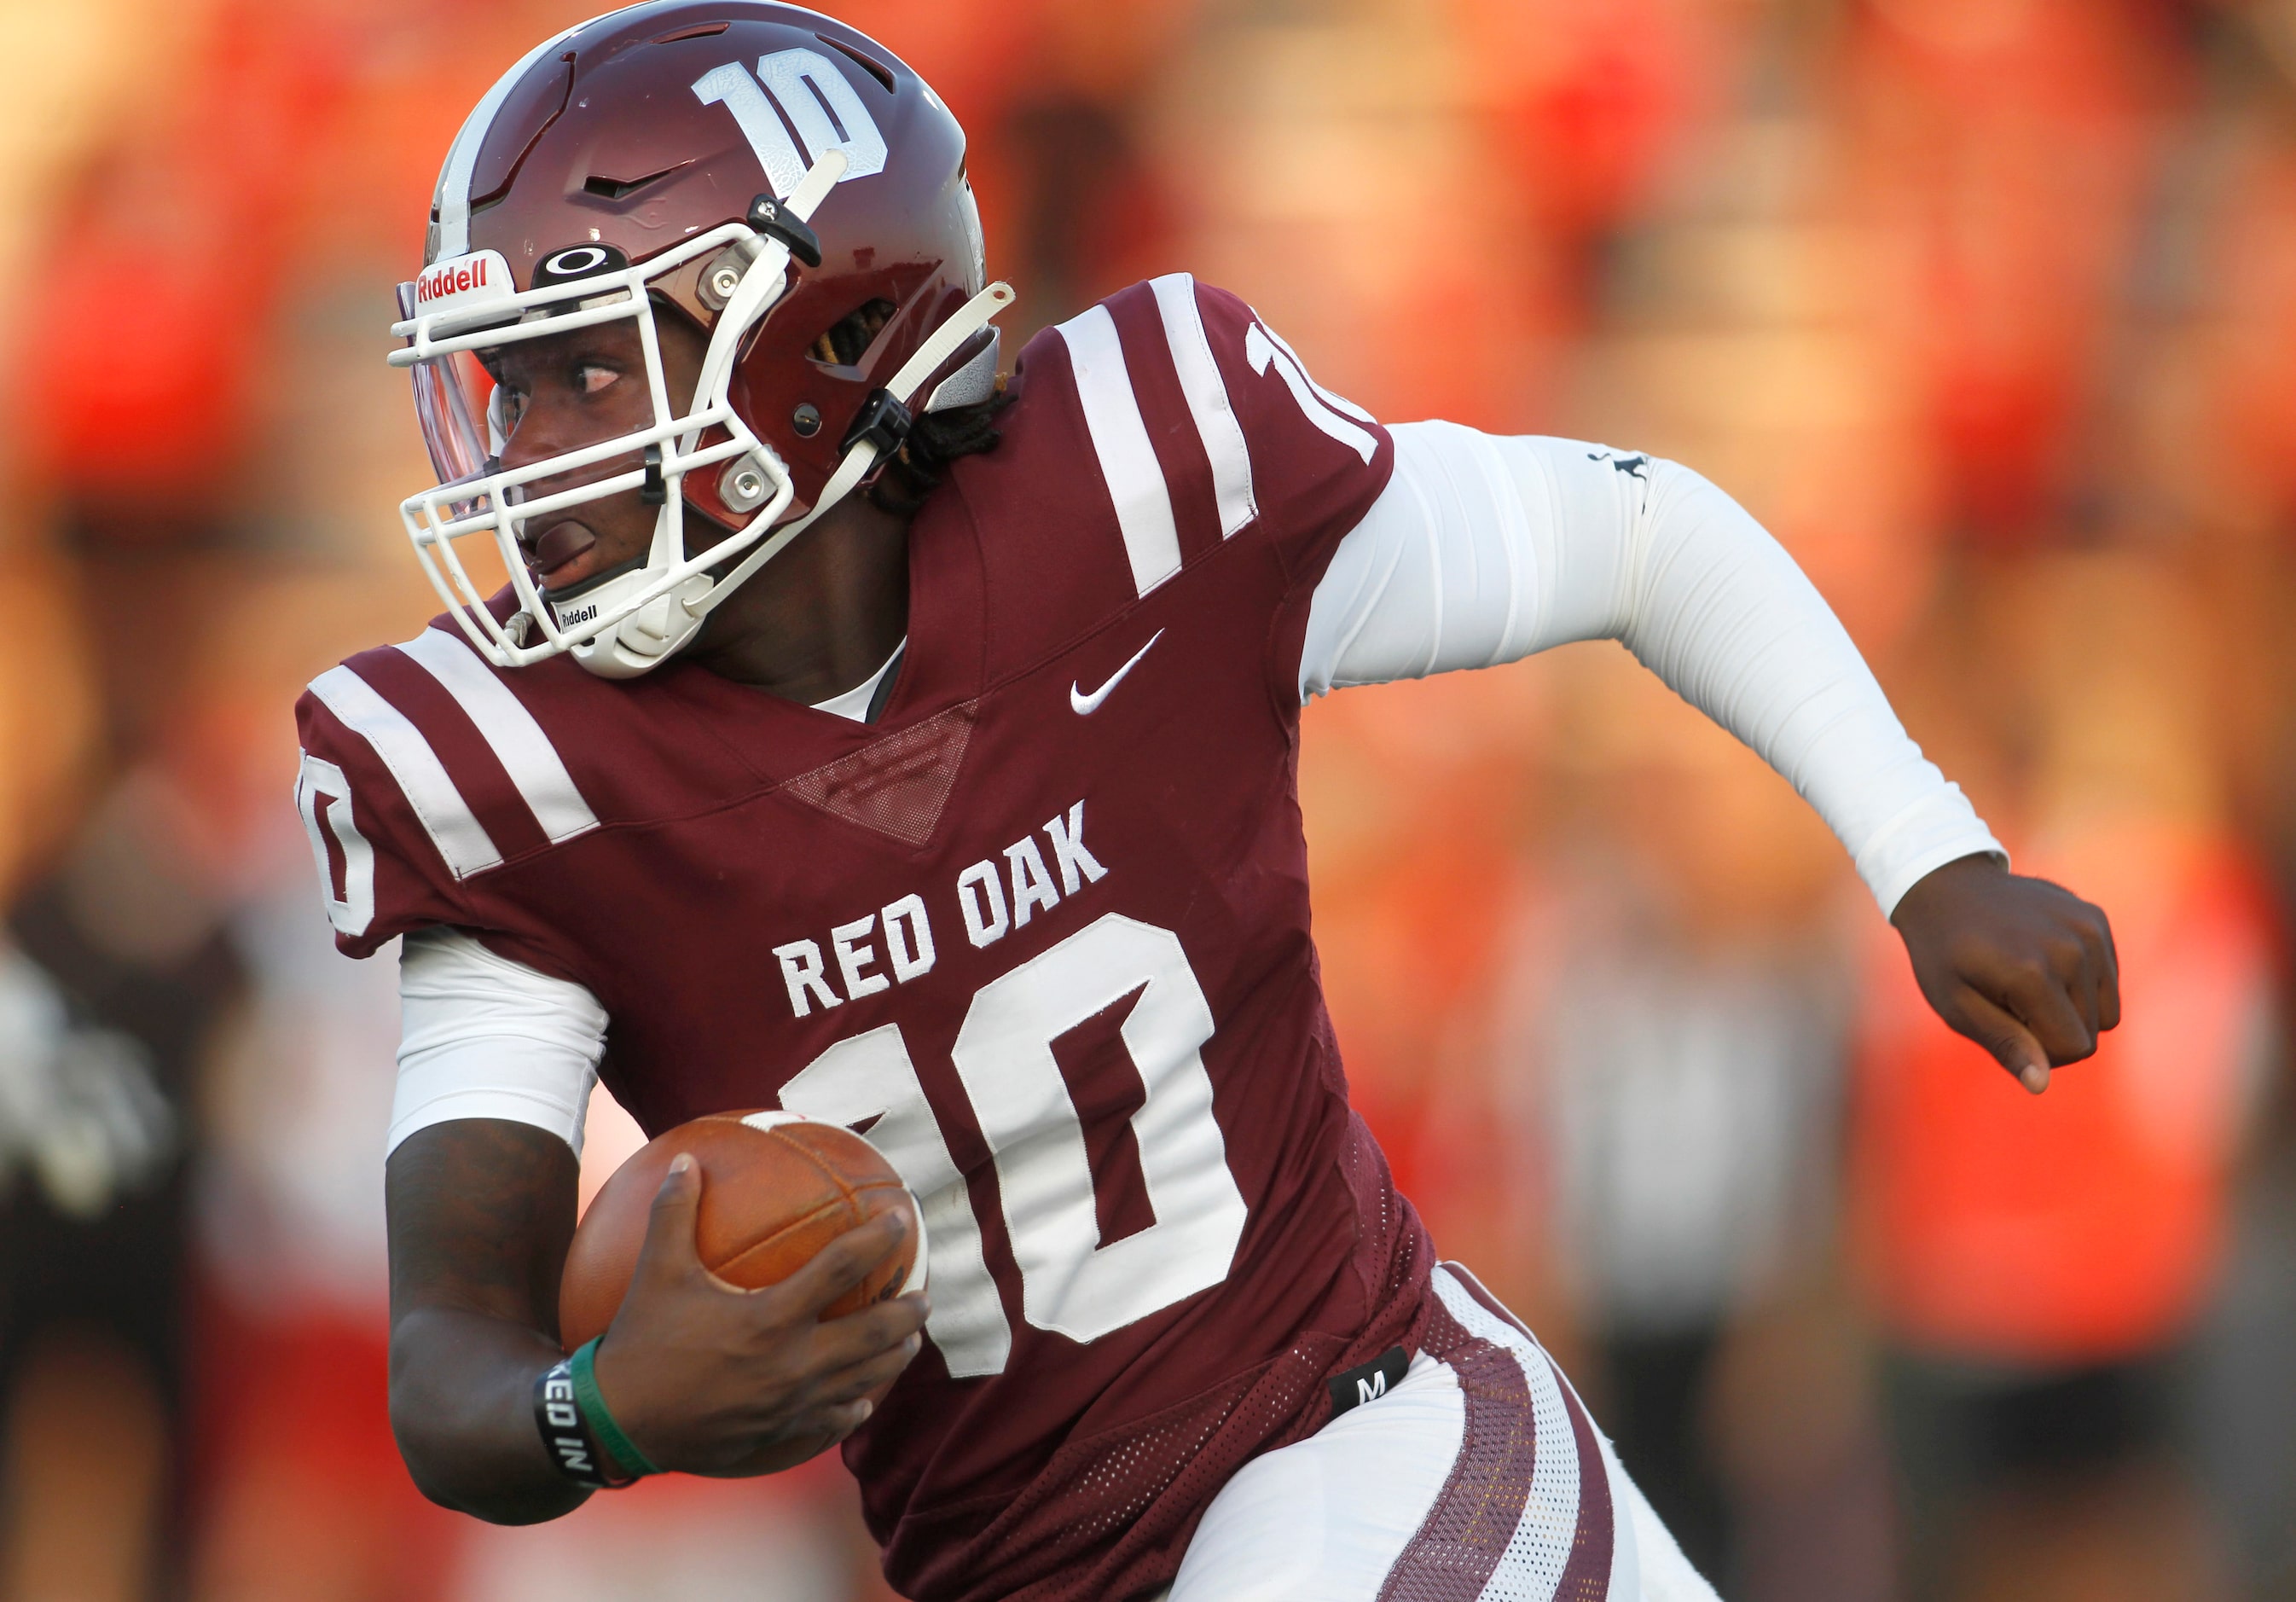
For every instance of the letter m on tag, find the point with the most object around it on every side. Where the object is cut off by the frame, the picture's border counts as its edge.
(1368, 1381)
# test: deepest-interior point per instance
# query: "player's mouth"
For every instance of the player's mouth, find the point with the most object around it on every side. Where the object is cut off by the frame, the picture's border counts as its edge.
(557, 556)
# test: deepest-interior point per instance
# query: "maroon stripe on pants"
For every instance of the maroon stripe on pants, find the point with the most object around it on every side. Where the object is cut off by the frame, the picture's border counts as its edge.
(1458, 1547)
(1587, 1577)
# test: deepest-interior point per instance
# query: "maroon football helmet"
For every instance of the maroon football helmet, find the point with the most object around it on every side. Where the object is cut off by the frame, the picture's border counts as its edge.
(766, 172)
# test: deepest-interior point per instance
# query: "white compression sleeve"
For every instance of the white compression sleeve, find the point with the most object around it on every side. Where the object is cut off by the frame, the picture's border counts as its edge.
(483, 1036)
(1485, 549)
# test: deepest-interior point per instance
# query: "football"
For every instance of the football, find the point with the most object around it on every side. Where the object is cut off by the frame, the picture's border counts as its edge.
(775, 1188)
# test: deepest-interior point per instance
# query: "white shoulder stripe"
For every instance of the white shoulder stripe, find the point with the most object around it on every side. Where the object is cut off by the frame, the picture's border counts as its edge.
(1119, 438)
(1338, 402)
(1207, 401)
(1259, 353)
(453, 828)
(517, 739)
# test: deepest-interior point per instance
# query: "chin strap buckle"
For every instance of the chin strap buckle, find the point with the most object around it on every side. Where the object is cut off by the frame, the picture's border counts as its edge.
(653, 492)
(882, 422)
(775, 220)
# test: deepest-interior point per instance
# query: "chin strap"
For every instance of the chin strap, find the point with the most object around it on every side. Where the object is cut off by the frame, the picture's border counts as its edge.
(946, 340)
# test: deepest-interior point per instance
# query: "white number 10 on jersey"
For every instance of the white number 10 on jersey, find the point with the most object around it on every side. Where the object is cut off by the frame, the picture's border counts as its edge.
(1070, 1282)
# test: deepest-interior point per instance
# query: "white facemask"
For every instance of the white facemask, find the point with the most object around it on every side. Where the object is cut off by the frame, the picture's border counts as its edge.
(631, 622)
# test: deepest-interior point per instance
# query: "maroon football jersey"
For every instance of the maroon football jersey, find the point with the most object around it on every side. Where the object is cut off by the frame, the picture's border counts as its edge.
(1041, 931)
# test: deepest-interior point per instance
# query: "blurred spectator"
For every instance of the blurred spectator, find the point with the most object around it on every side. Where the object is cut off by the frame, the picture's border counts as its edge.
(119, 973)
(2037, 1266)
(1328, 168)
(2004, 150)
(1589, 101)
(1680, 1002)
(2245, 1405)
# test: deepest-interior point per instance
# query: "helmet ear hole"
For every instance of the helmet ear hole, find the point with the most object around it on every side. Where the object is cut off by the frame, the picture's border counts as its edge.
(844, 342)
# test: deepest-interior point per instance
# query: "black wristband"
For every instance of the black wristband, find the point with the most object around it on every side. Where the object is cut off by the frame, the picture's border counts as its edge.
(566, 1433)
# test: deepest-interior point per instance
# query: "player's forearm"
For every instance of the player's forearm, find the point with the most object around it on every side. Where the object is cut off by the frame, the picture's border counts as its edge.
(480, 1211)
(462, 1405)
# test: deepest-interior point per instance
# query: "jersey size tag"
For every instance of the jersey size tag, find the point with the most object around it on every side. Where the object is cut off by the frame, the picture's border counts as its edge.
(1368, 1381)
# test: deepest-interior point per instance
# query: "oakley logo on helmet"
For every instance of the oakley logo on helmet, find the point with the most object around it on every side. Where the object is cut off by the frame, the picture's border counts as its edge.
(578, 261)
(482, 275)
(817, 102)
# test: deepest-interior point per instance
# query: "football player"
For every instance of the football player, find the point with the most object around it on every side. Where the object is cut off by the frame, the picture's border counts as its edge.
(864, 734)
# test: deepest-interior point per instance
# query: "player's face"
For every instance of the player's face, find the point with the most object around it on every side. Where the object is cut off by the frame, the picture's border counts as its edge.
(559, 394)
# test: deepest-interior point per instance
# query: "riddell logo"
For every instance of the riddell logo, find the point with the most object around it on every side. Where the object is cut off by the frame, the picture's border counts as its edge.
(451, 278)
(482, 275)
(569, 618)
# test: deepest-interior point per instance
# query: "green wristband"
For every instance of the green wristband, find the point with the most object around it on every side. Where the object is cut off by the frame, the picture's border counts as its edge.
(584, 1368)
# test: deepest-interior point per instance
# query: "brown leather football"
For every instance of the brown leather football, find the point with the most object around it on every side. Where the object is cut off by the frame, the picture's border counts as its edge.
(775, 1190)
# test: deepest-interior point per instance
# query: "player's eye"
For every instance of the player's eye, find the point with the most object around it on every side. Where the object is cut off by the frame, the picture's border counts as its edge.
(591, 378)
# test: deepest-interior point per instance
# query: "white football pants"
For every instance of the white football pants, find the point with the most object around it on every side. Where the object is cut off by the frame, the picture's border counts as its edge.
(1479, 1475)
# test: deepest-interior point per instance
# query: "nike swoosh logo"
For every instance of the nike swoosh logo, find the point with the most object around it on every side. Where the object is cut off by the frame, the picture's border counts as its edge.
(1084, 705)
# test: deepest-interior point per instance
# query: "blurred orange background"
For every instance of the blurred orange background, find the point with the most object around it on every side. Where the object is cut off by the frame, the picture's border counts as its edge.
(1986, 308)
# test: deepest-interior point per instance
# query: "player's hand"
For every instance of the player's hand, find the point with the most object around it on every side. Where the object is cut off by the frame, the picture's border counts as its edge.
(2022, 966)
(711, 1379)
